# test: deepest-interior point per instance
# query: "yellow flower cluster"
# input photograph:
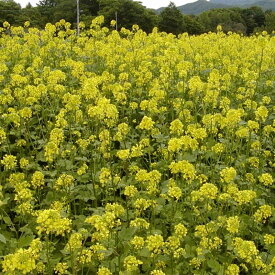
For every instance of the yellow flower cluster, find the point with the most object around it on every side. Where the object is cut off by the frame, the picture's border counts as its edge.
(104, 271)
(82, 170)
(139, 223)
(131, 263)
(182, 143)
(104, 111)
(3, 135)
(74, 242)
(187, 170)
(180, 230)
(239, 196)
(37, 179)
(157, 272)
(61, 268)
(130, 191)
(138, 242)
(246, 250)
(103, 224)
(9, 162)
(266, 179)
(232, 269)
(146, 123)
(23, 260)
(50, 221)
(206, 191)
(174, 192)
(123, 154)
(149, 179)
(155, 244)
(269, 239)
(64, 182)
(228, 174)
(263, 213)
(233, 224)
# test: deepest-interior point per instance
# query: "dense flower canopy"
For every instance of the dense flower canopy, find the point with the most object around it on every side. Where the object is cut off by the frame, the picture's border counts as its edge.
(134, 152)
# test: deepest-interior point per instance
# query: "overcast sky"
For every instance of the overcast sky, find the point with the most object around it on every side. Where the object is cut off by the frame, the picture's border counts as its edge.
(163, 3)
(148, 3)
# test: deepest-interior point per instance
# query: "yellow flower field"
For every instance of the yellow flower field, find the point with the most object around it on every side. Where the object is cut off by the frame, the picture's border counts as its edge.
(131, 153)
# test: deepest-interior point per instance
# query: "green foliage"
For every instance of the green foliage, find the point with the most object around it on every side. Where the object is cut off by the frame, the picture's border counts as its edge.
(89, 7)
(234, 19)
(55, 10)
(65, 9)
(253, 17)
(269, 21)
(46, 8)
(31, 14)
(9, 11)
(192, 25)
(171, 20)
(199, 7)
(229, 19)
(128, 13)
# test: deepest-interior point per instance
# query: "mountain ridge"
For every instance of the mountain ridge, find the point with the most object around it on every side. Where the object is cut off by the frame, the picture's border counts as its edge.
(203, 5)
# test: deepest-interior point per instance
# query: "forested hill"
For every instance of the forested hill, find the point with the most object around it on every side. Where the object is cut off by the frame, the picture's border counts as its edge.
(246, 20)
(200, 6)
(204, 5)
(197, 7)
(237, 2)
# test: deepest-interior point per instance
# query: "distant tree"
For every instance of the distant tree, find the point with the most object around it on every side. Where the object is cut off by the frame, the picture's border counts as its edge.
(32, 15)
(108, 8)
(269, 21)
(191, 25)
(128, 12)
(89, 7)
(55, 10)
(47, 10)
(65, 9)
(253, 17)
(269, 25)
(88, 10)
(171, 20)
(9, 11)
(205, 20)
(29, 6)
(230, 20)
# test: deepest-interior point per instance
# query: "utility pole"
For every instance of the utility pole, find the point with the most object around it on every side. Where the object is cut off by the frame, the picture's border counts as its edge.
(116, 20)
(77, 16)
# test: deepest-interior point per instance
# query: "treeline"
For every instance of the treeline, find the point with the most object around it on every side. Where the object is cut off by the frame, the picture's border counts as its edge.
(246, 21)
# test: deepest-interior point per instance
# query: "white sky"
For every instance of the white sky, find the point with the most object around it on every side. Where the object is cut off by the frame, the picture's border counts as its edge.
(163, 3)
(148, 3)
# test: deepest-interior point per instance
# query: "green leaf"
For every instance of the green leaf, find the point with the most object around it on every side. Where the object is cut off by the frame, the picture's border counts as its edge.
(127, 233)
(2, 238)
(25, 241)
(190, 157)
(214, 265)
(7, 220)
(145, 253)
